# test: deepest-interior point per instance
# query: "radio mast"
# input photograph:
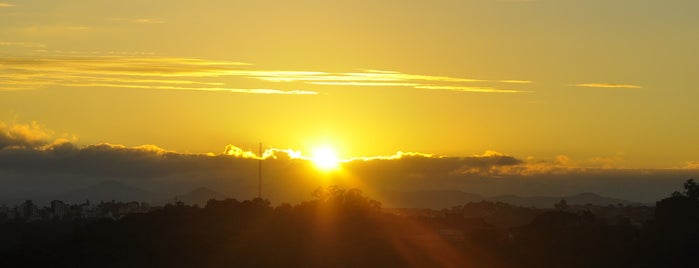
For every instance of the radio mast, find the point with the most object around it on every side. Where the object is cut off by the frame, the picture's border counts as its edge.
(259, 175)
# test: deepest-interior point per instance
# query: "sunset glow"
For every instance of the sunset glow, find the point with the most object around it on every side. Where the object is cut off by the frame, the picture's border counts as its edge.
(325, 159)
(496, 97)
(363, 133)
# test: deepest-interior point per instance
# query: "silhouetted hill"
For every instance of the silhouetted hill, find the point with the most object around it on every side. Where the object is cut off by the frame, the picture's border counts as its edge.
(199, 196)
(549, 201)
(428, 199)
(110, 190)
(439, 199)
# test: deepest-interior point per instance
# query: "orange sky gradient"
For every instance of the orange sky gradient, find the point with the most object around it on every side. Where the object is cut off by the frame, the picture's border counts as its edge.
(580, 84)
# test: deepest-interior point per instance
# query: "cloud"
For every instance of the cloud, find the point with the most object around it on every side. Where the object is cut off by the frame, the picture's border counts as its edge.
(238, 152)
(120, 65)
(471, 89)
(29, 161)
(54, 29)
(270, 91)
(22, 44)
(23, 135)
(365, 84)
(516, 81)
(123, 71)
(487, 164)
(559, 165)
(29, 146)
(420, 165)
(139, 20)
(397, 155)
(70, 69)
(104, 160)
(519, 1)
(232, 90)
(691, 165)
(607, 85)
(379, 78)
(53, 166)
(6, 5)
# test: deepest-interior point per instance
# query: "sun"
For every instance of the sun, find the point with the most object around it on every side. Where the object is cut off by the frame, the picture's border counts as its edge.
(325, 159)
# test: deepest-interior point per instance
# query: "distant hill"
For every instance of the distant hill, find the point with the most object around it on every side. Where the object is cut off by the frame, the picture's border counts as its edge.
(549, 201)
(435, 199)
(439, 199)
(108, 191)
(199, 196)
(427, 199)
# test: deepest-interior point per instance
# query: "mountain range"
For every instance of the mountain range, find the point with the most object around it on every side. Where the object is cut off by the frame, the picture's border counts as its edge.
(108, 191)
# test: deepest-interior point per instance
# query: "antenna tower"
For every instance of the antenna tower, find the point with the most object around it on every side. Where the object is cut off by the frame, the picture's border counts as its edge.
(259, 175)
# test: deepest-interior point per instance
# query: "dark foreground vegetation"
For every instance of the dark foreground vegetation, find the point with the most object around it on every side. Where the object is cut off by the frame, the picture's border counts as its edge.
(344, 228)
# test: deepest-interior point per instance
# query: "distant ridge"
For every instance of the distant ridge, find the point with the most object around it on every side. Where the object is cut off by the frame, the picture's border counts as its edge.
(428, 199)
(435, 199)
(108, 191)
(120, 192)
(199, 196)
(549, 201)
(439, 199)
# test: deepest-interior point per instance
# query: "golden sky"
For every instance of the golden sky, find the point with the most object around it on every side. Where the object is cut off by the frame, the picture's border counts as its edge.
(596, 81)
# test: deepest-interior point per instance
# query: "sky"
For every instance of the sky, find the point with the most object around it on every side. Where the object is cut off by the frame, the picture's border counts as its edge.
(584, 86)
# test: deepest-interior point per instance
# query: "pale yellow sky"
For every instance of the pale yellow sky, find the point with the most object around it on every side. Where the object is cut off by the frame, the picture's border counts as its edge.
(590, 80)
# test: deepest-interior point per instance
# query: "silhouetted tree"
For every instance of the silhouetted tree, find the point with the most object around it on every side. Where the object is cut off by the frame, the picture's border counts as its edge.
(561, 205)
(672, 239)
(345, 228)
(691, 189)
(350, 199)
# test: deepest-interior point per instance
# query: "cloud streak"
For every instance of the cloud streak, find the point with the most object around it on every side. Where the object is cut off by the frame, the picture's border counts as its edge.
(6, 5)
(378, 78)
(22, 44)
(172, 73)
(607, 85)
(471, 89)
(165, 73)
(139, 20)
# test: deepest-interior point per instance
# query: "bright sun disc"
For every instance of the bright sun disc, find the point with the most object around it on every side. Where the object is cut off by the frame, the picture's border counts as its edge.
(325, 158)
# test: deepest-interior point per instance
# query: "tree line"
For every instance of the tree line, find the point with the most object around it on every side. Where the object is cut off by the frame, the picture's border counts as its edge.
(345, 228)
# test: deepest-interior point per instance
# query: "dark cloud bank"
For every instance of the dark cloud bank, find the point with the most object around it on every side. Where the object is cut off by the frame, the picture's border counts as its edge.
(32, 166)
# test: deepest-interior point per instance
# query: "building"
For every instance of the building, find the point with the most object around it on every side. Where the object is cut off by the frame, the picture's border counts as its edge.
(58, 210)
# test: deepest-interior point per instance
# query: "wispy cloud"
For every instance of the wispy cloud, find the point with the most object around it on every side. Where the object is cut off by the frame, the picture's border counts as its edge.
(378, 78)
(22, 44)
(471, 89)
(519, 1)
(607, 85)
(6, 5)
(559, 165)
(397, 155)
(54, 29)
(265, 91)
(365, 84)
(269, 91)
(172, 73)
(139, 20)
(165, 73)
(516, 81)
(691, 165)
(122, 65)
